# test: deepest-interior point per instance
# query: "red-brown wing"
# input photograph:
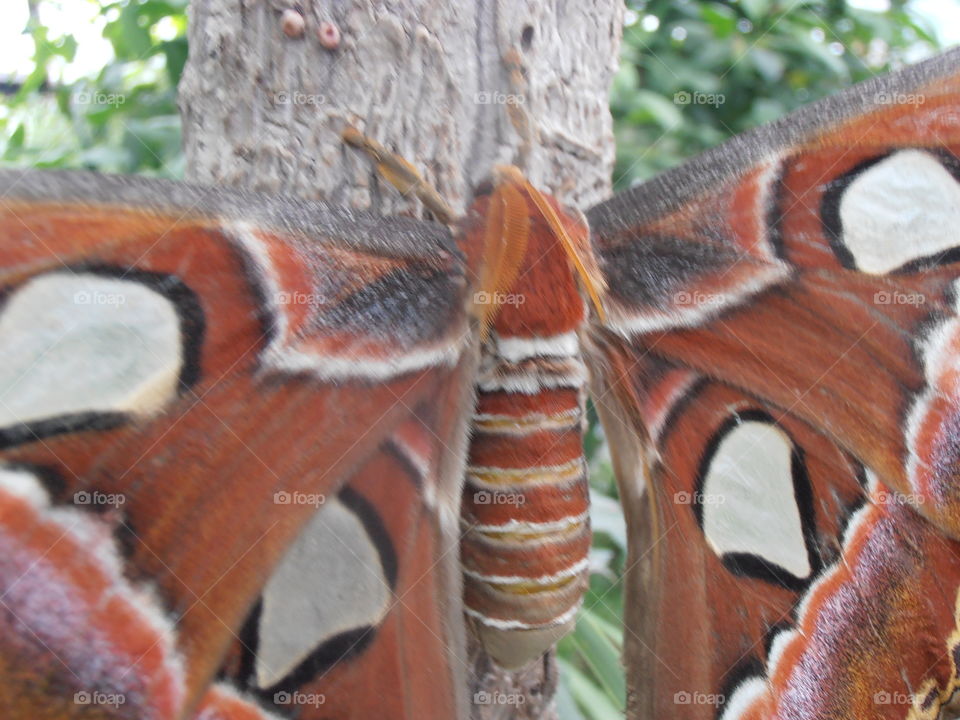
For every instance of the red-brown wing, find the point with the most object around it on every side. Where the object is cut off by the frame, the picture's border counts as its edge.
(175, 363)
(352, 615)
(793, 292)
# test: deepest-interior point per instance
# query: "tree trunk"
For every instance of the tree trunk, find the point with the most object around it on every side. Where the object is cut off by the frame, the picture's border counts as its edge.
(264, 109)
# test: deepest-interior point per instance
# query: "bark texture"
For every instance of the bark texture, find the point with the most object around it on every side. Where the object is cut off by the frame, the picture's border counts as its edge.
(265, 110)
(426, 78)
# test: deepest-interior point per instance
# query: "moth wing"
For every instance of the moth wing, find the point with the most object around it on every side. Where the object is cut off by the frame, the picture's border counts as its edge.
(186, 372)
(792, 292)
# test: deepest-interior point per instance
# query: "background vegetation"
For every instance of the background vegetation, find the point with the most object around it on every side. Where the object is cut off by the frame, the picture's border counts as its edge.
(121, 119)
(693, 73)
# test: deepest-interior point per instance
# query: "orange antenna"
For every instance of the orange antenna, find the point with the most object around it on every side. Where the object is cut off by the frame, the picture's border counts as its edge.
(399, 173)
(505, 245)
(516, 106)
(582, 261)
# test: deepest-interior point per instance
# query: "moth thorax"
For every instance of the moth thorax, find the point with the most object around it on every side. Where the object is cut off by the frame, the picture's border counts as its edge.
(535, 260)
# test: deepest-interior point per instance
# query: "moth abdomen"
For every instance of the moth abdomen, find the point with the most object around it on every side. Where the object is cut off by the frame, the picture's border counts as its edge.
(525, 509)
(526, 496)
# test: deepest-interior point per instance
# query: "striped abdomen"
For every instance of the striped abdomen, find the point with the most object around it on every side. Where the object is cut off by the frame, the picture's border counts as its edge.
(525, 505)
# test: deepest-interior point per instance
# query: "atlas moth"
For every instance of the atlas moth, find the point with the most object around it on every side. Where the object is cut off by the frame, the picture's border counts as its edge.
(291, 399)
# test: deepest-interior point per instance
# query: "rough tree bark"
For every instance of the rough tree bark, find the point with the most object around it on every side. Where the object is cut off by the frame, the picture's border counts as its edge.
(264, 110)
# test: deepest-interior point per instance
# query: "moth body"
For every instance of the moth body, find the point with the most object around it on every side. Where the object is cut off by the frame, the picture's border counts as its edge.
(525, 504)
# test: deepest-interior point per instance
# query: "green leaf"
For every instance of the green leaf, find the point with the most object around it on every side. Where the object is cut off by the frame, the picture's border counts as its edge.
(566, 706)
(769, 64)
(15, 142)
(591, 699)
(598, 646)
(764, 111)
(606, 516)
(154, 10)
(105, 159)
(67, 48)
(129, 33)
(755, 9)
(651, 107)
(721, 19)
(611, 631)
(176, 56)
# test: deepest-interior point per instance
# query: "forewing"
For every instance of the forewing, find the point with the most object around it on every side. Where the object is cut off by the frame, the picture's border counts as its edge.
(792, 292)
(177, 361)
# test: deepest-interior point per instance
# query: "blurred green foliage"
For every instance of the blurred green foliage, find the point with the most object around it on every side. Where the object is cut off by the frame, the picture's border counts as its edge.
(693, 73)
(121, 119)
